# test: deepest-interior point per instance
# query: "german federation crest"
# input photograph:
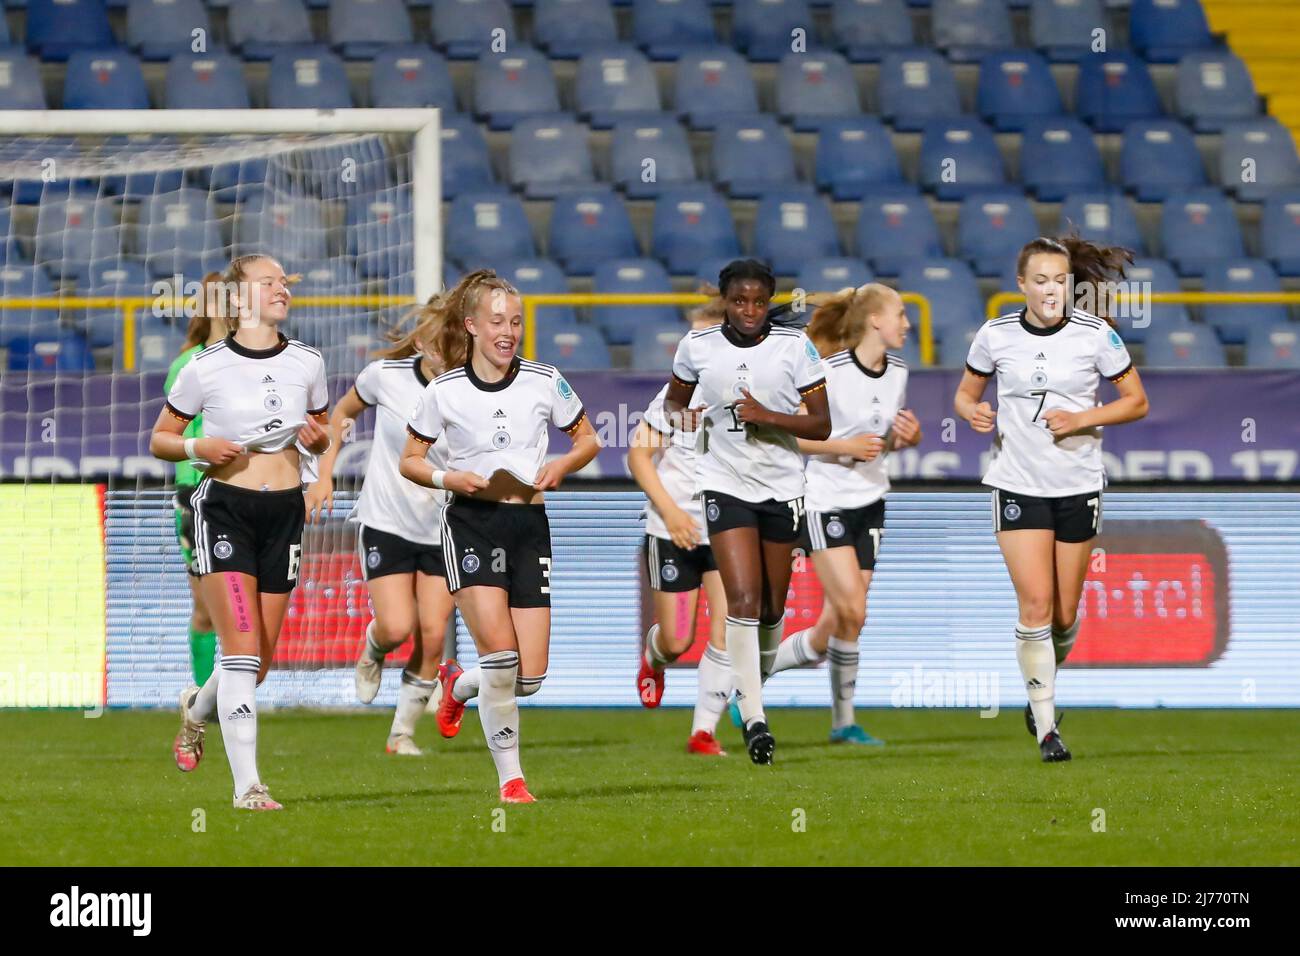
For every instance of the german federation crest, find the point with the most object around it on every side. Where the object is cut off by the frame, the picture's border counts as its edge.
(1012, 511)
(470, 563)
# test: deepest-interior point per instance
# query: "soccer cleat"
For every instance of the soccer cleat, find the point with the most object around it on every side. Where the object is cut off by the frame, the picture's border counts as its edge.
(733, 708)
(649, 684)
(404, 745)
(516, 791)
(451, 710)
(187, 748)
(1053, 748)
(759, 742)
(703, 742)
(369, 674)
(853, 734)
(256, 797)
(1033, 725)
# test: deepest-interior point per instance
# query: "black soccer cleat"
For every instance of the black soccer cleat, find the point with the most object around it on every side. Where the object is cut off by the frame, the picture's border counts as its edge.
(760, 743)
(1033, 726)
(1053, 748)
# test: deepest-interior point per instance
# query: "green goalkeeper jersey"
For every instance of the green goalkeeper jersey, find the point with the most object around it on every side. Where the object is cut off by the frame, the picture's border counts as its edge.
(186, 474)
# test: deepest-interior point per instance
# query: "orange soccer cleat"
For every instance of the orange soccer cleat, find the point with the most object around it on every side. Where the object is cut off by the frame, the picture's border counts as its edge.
(451, 710)
(649, 685)
(703, 742)
(516, 791)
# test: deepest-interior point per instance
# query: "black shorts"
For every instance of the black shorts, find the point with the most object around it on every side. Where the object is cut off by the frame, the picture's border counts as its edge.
(780, 521)
(1074, 518)
(672, 569)
(857, 528)
(254, 532)
(185, 526)
(500, 546)
(382, 553)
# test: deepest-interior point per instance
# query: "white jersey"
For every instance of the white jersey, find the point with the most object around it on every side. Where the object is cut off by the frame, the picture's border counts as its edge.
(1039, 370)
(862, 402)
(676, 467)
(778, 368)
(389, 502)
(496, 426)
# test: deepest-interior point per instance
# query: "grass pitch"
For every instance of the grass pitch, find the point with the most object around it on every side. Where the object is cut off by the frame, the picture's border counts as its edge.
(616, 787)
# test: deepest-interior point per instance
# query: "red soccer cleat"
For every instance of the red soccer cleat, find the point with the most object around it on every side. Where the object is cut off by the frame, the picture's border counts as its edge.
(649, 684)
(703, 742)
(516, 791)
(451, 710)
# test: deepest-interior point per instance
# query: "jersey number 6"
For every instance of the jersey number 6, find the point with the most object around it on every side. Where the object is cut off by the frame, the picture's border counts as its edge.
(295, 556)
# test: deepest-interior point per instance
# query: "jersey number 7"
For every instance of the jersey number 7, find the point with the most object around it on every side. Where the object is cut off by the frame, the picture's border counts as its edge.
(1042, 397)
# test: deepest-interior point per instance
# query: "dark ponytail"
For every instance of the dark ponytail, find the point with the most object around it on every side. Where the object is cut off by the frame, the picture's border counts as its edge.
(1091, 267)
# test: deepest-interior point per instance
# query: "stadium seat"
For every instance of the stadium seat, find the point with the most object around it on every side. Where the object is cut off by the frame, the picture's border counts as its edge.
(380, 227)
(57, 352)
(896, 227)
(954, 294)
(541, 277)
(179, 227)
(359, 29)
(712, 83)
(1114, 89)
(566, 29)
(1159, 158)
(752, 155)
(967, 29)
(466, 163)
(310, 78)
(1258, 158)
(258, 28)
(1015, 87)
(205, 81)
(20, 82)
(791, 227)
(654, 346)
(855, 156)
(1154, 275)
(74, 232)
(614, 82)
(9, 248)
(1162, 31)
(954, 347)
(691, 224)
(866, 29)
(511, 86)
(1279, 231)
(1189, 346)
(579, 347)
(104, 80)
(289, 227)
(1214, 87)
(910, 353)
(1198, 227)
(317, 325)
(992, 227)
(159, 29)
(1063, 29)
(916, 86)
(589, 226)
(113, 279)
(1103, 216)
(1059, 156)
(833, 274)
(349, 344)
(5, 39)
(22, 281)
(56, 28)
(959, 157)
(411, 76)
(1274, 346)
(625, 277)
(1233, 322)
(667, 28)
(661, 139)
(762, 29)
(813, 88)
(488, 227)
(464, 29)
(549, 154)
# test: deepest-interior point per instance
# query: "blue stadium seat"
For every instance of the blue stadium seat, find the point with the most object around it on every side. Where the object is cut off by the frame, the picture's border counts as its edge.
(411, 76)
(954, 348)
(855, 156)
(761, 29)
(1274, 346)
(655, 345)
(1214, 87)
(579, 347)
(626, 277)
(1103, 216)
(1159, 158)
(20, 82)
(73, 232)
(29, 191)
(380, 230)
(1059, 156)
(712, 83)
(791, 227)
(1063, 28)
(21, 281)
(916, 86)
(954, 294)
(1198, 227)
(566, 29)
(959, 157)
(350, 343)
(1154, 275)
(56, 352)
(549, 154)
(308, 78)
(258, 28)
(1279, 232)
(661, 139)
(752, 155)
(1188, 346)
(359, 29)
(692, 223)
(813, 88)
(110, 279)
(911, 350)
(1258, 158)
(289, 227)
(466, 163)
(541, 277)
(1233, 322)
(510, 86)
(205, 81)
(589, 226)
(9, 248)
(5, 39)
(832, 274)
(968, 29)
(159, 29)
(992, 227)
(464, 28)
(104, 80)
(1114, 89)
(896, 227)
(708, 271)
(55, 28)
(666, 28)
(321, 325)
(488, 227)
(1015, 87)
(614, 82)
(866, 29)
(179, 227)
(1162, 31)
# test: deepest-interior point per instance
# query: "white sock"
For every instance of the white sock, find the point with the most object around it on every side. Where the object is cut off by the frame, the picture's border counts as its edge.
(1038, 668)
(466, 686)
(237, 705)
(498, 711)
(742, 648)
(654, 657)
(528, 686)
(843, 656)
(769, 641)
(412, 696)
(1063, 641)
(204, 704)
(796, 651)
(373, 650)
(714, 676)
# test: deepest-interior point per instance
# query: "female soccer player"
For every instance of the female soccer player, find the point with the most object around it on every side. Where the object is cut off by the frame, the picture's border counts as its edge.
(263, 399)
(491, 410)
(847, 481)
(751, 377)
(399, 539)
(201, 333)
(678, 561)
(1047, 474)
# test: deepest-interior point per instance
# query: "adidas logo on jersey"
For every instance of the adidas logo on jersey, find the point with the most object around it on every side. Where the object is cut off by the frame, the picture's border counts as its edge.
(267, 379)
(1040, 357)
(742, 367)
(875, 399)
(498, 414)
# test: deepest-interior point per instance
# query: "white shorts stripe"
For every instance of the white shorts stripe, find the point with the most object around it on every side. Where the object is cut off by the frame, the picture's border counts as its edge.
(361, 552)
(816, 533)
(450, 559)
(200, 529)
(997, 511)
(655, 583)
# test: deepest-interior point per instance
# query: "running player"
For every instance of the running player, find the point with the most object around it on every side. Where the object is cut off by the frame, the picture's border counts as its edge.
(492, 410)
(1047, 473)
(263, 399)
(751, 376)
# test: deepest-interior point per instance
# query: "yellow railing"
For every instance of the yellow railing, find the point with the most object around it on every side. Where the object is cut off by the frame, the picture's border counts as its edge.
(996, 302)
